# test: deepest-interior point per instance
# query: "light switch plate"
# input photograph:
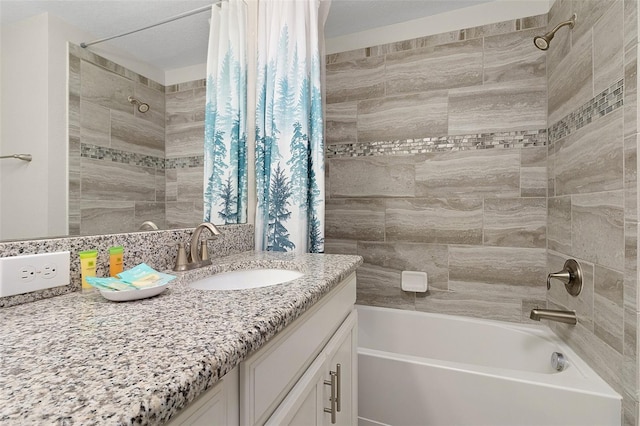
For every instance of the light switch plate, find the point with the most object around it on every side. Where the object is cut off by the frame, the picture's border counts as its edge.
(24, 274)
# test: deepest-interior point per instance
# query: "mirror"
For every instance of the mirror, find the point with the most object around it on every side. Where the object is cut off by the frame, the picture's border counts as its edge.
(135, 111)
(135, 148)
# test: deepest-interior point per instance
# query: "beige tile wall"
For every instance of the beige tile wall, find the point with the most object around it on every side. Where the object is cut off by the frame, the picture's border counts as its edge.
(135, 167)
(474, 220)
(118, 182)
(488, 225)
(592, 206)
(185, 139)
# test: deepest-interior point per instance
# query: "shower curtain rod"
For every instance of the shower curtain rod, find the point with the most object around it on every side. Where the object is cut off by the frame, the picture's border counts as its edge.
(173, 18)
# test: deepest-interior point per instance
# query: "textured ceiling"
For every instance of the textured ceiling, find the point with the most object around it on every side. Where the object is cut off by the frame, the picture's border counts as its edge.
(184, 42)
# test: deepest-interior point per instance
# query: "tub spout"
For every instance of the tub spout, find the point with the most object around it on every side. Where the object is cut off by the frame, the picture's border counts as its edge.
(567, 317)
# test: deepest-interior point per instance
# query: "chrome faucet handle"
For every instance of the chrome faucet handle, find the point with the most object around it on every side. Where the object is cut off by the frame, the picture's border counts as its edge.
(182, 264)
(571, 276)
(204, 250)
(564, 276)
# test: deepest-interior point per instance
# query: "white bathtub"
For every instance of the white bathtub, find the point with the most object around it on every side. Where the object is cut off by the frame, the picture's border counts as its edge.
(417, 368)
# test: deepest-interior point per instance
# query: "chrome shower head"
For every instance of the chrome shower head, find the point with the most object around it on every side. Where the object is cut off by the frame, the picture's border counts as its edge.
(542, 42)
(142, 107)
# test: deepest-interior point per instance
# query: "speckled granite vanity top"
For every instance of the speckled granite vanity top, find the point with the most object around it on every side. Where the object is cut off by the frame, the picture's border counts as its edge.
(81, 359)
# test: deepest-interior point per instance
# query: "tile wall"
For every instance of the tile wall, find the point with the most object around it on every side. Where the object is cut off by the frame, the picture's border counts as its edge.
(486, 163)
(185, 153)
(436, 162)
(592, 184)
(116, 154)
(128, 167)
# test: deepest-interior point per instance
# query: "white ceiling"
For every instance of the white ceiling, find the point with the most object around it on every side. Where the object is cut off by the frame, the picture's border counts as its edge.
(184, 42)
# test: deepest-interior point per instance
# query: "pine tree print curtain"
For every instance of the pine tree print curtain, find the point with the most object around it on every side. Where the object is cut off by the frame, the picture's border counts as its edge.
(289, 128)
(225, 144)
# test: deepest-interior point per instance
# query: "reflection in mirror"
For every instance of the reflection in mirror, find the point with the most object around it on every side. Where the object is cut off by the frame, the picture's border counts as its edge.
(128, 166)
(120, 164)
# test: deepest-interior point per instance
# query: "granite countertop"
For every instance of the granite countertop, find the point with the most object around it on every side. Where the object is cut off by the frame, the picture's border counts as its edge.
(81, 359)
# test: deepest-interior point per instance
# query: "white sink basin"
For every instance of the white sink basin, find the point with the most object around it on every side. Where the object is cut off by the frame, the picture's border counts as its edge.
(246, 278)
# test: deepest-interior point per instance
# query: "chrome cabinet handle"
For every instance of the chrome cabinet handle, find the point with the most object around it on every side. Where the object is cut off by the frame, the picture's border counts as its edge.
(338, 391)
(333, 398)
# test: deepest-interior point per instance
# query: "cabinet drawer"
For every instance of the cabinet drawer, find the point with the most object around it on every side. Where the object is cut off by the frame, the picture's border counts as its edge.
(269, 374)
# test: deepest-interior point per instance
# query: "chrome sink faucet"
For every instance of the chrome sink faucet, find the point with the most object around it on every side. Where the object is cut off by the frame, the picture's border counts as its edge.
(193, 245)
(200, 258)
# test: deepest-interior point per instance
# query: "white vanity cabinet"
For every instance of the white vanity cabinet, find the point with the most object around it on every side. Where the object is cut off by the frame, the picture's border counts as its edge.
(327, 393)
(288, 380)
(297, 354)
(217, 406)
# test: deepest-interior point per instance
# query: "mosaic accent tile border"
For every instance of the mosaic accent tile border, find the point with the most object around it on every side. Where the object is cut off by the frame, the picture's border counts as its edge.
(516, 139)
(119, 156)
(125, 157)
(189, 85)
(602, 104)
(184, 162)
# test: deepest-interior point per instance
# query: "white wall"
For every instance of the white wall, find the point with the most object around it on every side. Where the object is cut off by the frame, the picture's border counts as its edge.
(182, 75)
(482, 14)
(25, 118)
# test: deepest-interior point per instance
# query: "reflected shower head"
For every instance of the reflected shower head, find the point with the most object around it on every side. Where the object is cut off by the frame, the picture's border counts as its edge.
(142, 107)
(542, 42)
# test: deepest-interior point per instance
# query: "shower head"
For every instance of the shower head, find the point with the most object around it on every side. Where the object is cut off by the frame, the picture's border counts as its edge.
(142, 107)
(542, 42)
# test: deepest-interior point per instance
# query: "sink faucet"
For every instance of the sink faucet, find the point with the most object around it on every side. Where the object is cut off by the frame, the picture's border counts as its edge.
(567, 317)
(193, 245)
(198, 258)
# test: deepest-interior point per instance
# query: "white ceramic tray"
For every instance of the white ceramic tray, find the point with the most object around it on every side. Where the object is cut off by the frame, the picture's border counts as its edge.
(126, 295)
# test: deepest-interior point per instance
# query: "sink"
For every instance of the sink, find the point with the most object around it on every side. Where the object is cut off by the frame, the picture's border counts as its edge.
(246, 278)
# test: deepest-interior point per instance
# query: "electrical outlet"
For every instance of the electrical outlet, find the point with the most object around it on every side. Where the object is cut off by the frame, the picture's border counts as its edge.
(49, 271)
(27, 273)
(24, 274)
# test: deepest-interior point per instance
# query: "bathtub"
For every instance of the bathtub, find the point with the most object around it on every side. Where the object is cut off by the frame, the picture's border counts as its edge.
(417, 368)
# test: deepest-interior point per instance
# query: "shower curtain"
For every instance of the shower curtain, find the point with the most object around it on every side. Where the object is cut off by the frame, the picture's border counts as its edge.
(289, 128)
(225, 145)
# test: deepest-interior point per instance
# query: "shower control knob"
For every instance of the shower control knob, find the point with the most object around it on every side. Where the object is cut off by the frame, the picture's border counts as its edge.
(558, 361)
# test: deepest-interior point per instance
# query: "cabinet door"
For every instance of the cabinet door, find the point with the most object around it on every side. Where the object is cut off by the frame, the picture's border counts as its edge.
(303, 405)
(309, 400)
(342, 351)
(269, 375)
